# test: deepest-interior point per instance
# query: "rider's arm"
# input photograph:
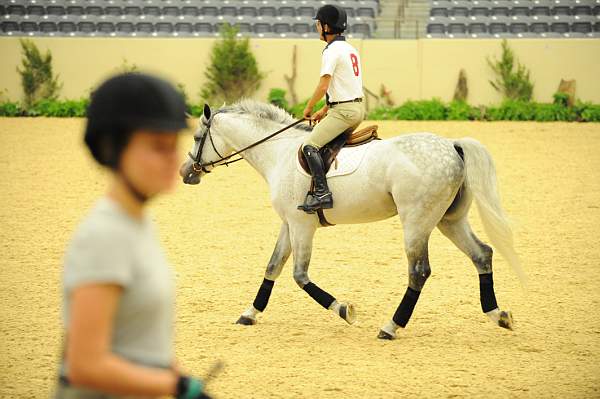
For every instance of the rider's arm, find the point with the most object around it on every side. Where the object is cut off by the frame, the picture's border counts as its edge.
(90, 360)
(319, 91)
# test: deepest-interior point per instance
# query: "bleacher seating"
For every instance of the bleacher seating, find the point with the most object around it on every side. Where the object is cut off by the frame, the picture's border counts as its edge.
(514, 19)
(203, 18)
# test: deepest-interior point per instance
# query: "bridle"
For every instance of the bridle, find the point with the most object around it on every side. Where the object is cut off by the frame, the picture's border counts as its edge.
(199, 166)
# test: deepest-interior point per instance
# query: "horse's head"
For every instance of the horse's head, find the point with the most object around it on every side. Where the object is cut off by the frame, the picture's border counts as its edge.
(208, 149)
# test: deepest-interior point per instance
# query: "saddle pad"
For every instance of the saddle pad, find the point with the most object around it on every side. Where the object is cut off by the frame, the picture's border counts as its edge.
(346, 162)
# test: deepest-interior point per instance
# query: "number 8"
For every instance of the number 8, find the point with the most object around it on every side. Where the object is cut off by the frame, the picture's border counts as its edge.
(354, 64)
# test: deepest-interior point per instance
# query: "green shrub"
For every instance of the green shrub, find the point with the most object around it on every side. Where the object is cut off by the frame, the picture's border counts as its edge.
(411, 110)
(37, 79)
(461, 111)
(53, 108)
(381, 114)
(297, 109)
(590, 113)
(512, 110)
(554, 112)
(423, 110)
(513, 85)
(196, 110)
(67, 108)
(561, 99)
(233, 71)
(9, 108)
(277, 97)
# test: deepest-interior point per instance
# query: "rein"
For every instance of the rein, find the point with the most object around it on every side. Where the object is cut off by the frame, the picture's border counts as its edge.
(199, 166)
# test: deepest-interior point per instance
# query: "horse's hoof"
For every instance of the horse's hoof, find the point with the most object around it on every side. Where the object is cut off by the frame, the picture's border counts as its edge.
(347, 312)
(506, 320)
(385, 335)
(246, 321)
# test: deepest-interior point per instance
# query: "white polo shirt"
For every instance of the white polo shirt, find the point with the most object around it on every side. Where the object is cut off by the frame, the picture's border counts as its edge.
(342, 62)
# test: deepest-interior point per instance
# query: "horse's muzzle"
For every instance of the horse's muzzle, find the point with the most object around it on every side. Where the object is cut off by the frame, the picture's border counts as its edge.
(188, 174)
(192, 178)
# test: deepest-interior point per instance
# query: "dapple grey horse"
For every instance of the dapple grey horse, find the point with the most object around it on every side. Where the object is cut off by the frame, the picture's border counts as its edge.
(427, 180)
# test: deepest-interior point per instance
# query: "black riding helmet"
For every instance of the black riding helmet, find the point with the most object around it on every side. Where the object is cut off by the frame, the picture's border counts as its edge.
(334, 16)
(125, 103)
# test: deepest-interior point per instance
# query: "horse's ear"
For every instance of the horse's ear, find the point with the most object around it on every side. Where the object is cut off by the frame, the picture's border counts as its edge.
(207, 111)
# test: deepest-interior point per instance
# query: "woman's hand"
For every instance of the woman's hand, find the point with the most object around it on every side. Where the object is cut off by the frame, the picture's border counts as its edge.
(175, 367)
(190, 388)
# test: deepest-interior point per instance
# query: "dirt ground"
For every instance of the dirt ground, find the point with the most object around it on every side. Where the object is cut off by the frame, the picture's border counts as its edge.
(219, 236)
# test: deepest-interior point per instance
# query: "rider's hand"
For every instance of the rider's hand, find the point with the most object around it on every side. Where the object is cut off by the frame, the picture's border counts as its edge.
(320, 114)
(307, 112)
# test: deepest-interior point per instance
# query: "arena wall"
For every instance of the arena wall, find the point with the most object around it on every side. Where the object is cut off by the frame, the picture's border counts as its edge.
(411, 69)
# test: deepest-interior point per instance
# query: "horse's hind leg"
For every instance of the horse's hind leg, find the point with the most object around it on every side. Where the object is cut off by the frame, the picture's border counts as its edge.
(281, 253)
(460, 233)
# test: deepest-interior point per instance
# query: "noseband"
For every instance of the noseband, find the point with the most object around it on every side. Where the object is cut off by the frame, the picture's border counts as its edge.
(199, 166)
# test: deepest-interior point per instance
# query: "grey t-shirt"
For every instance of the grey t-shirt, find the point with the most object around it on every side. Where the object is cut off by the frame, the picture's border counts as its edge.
(110, 246)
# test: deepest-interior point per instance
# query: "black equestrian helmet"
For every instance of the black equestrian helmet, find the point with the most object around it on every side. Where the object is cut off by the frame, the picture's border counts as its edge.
(128, 102)
(334, 16)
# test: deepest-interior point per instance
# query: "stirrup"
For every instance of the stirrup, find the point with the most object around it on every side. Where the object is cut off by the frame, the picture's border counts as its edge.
(304, 207)
(317, 204)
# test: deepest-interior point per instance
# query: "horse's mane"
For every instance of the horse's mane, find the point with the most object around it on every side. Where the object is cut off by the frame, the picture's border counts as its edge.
(262, 110)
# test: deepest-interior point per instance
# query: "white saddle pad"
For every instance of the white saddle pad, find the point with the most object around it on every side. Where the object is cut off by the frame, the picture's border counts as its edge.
(346, 162)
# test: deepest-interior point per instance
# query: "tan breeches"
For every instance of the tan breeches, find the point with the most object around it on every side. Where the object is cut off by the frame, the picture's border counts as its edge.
(339, 118)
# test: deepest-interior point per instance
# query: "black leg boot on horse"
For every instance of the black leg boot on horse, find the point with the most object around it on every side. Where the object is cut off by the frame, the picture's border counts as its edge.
(320, 197)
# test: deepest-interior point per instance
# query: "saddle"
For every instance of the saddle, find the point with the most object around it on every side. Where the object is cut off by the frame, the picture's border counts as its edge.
(348, 138)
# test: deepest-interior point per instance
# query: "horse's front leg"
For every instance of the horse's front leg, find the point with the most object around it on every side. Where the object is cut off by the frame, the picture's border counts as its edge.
(302, 237)
(280, 255)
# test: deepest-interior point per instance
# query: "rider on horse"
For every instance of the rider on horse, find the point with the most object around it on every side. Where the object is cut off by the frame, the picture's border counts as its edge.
(341, 82)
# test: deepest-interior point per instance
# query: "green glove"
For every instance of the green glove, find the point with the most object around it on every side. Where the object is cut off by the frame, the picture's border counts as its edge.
(190, 388)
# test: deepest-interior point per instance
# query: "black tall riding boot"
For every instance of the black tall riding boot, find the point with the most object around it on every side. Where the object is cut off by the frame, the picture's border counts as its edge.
(321, 197)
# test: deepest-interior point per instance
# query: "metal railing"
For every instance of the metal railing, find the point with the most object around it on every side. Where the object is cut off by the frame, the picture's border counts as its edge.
(397, 29)
(399, 19)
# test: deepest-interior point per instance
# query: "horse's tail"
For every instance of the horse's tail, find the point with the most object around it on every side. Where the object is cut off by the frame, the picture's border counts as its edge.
(480, 179)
